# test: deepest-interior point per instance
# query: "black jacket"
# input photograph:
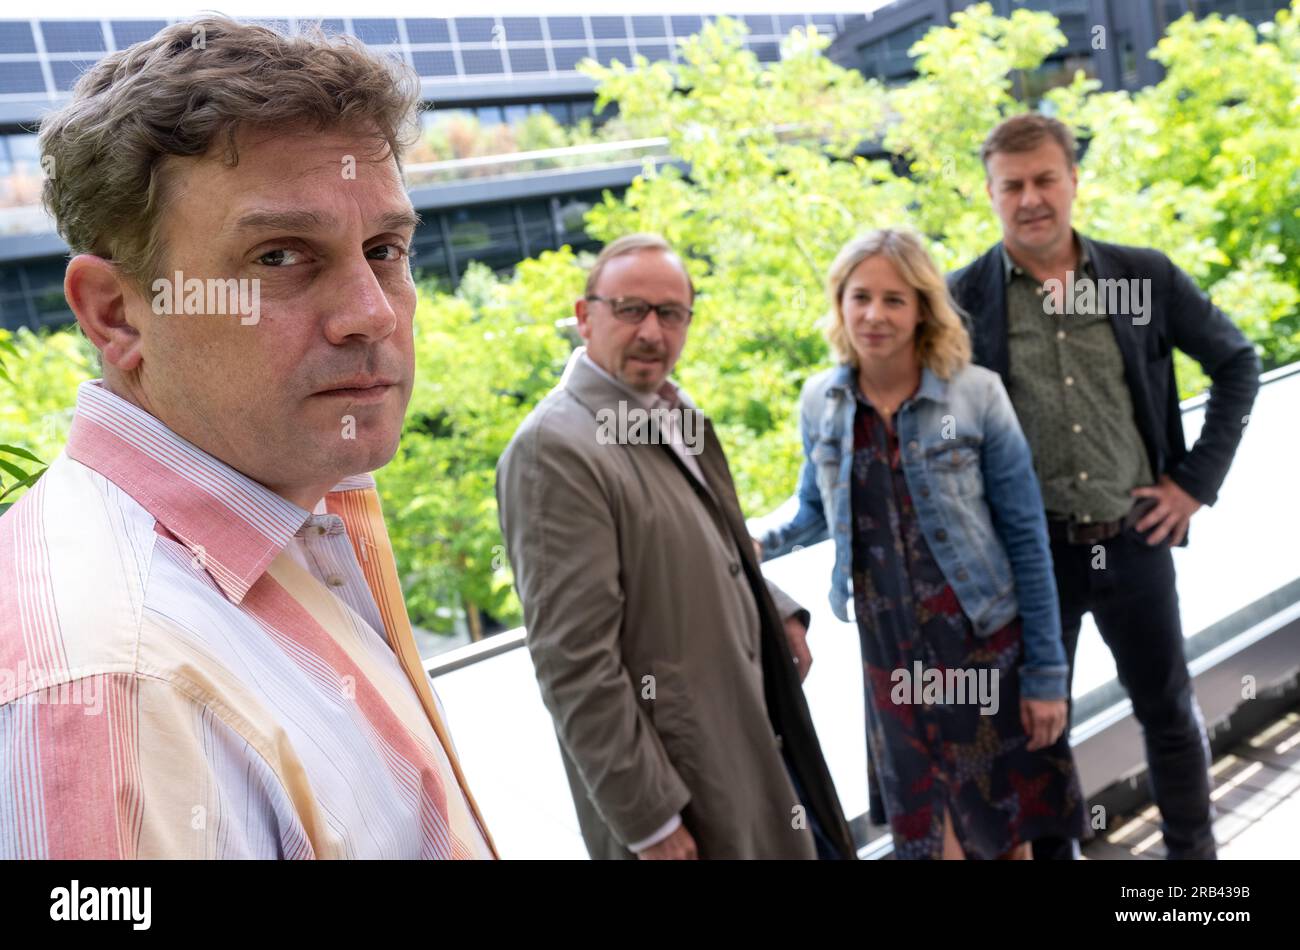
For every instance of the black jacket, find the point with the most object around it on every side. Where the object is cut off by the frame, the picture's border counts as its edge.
(1180, 316)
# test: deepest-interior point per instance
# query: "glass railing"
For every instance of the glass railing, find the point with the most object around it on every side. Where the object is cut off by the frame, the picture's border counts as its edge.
(594, 155)
(22, 214)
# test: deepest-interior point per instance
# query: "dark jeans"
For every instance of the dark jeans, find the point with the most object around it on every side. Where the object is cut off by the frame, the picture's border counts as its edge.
(1135, 605)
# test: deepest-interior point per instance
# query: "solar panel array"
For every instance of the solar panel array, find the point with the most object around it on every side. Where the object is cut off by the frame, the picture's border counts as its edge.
(43, 58)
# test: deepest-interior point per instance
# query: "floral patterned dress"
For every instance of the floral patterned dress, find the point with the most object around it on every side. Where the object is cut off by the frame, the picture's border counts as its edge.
(937, 757)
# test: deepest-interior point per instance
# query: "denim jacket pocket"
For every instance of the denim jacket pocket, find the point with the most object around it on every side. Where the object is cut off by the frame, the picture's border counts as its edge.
(954, 466)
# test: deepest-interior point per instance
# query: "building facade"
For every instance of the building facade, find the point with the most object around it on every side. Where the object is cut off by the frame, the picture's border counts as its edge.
(497, 69)
(501, 70)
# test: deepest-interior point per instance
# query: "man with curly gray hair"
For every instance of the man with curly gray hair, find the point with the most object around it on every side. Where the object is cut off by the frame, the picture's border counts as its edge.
(204, 643)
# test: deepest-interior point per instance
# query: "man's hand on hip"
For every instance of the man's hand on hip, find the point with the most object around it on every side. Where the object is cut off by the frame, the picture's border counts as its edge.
(1172, 512)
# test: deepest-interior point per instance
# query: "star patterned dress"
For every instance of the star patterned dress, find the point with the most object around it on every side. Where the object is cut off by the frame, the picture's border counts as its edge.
(954, 757)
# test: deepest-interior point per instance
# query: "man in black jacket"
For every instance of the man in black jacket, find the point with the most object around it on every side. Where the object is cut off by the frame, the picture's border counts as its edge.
(1082, 333)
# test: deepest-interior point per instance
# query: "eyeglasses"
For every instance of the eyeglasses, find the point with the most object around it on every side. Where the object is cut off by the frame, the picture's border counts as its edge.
(634, 310)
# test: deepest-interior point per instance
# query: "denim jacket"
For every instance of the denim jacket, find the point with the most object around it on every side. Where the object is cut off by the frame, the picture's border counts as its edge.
(971, 477)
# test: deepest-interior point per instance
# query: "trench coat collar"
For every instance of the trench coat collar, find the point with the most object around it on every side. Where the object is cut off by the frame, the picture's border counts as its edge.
(597, 390)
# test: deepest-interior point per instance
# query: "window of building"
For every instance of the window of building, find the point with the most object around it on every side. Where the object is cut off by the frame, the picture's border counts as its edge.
(539, 230)
(488, 234)
(562, 112)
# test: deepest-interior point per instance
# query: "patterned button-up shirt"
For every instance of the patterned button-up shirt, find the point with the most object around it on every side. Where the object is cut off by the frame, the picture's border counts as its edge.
(1066, 382)
(192, 666)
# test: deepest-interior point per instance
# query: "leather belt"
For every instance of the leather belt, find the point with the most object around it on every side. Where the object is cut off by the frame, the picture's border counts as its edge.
(1065, 531)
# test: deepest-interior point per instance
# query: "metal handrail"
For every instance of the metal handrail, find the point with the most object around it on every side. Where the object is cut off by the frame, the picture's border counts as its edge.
(506, 158)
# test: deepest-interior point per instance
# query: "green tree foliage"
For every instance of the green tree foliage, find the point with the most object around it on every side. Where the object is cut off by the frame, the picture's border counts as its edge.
(484, 355)
(39, 375)
(1205, 166)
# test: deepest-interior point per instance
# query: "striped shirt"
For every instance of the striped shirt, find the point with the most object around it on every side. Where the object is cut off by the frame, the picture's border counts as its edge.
(193, 667)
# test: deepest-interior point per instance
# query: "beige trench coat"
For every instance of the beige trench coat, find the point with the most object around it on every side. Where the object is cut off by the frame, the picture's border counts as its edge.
(660, 653)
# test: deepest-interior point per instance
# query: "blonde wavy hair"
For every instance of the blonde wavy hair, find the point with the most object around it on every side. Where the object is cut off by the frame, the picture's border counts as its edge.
(942, 343)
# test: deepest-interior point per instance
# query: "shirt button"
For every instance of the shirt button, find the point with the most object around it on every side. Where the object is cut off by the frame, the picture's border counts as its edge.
(925, 491)
(334, 580)
(1069, 380)
(962, 575)
(1086, 518)
(318, 530)
(941, 535)
(1076, 428)
(1083, 476)
(1060, 334)
(734, 567)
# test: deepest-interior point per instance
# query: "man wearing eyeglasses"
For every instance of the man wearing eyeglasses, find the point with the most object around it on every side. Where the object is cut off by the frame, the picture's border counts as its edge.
(666, 661)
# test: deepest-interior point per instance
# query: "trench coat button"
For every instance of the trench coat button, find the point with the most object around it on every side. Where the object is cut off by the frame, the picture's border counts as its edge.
(962, 575)
(925, 491)
(780, 743)
(941, 535)
(734, 567)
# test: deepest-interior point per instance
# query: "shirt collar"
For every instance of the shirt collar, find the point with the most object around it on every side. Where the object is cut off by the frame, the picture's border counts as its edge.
(1085, 257)
(234, 526)
(845, 379)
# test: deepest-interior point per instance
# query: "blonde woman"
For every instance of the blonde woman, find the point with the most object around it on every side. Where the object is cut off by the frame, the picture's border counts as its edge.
(914, 463)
